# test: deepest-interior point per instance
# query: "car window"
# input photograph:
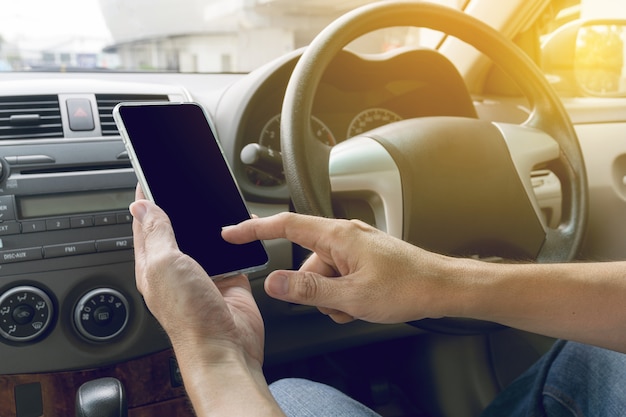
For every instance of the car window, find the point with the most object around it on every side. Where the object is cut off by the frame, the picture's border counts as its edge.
(172, 35)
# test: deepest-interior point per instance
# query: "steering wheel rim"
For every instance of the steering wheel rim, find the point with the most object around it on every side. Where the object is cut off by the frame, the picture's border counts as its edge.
(303, 155)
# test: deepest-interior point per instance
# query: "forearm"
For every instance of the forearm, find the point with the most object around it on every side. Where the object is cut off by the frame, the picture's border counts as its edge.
(227, 387)
(577, 301)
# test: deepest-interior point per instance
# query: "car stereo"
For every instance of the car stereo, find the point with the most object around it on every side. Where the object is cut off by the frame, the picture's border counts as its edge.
(51, 213)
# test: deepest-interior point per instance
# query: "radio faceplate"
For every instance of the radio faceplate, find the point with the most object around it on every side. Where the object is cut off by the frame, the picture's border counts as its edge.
(26, 241)
(65, 232)
(64, 201)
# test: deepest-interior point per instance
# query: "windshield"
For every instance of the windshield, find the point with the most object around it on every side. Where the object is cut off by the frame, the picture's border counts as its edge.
(173, 35)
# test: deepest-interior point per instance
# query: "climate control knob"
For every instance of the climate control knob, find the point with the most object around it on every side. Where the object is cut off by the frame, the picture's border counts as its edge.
(25, 313)
(101, 314)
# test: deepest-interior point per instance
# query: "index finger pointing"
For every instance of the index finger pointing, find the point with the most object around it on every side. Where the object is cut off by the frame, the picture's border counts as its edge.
(296, 228)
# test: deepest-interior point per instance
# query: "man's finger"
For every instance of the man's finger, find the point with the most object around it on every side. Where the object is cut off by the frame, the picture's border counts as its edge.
(305, 288)
(290, 226)
(315, 263)
(152, 229)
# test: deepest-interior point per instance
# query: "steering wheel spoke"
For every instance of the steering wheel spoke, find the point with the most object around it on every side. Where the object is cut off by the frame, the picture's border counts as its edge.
(529, 148)
(362, 168)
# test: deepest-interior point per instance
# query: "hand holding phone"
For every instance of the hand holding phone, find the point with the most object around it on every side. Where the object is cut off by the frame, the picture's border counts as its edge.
(181, 167)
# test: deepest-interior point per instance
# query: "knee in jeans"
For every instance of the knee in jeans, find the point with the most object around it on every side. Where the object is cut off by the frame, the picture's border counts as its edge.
(297, 387)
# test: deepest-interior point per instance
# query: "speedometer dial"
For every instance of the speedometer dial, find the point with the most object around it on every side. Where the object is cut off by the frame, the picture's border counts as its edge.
(270, 134)
(264, 165)
(370, 119)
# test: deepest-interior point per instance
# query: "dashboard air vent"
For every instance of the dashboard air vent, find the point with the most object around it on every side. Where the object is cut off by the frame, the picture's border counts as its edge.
(30, 117)
(106, 102)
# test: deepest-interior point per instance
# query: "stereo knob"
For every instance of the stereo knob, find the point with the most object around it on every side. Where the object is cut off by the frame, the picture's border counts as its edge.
(4, 169)
(25, 313)
(101, 314)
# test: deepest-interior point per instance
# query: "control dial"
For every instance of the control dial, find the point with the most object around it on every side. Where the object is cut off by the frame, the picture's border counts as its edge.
(4, 169)
(25, 313)
(101, 314)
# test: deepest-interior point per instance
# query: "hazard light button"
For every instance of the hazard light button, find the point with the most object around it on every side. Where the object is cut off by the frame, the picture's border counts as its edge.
(80, 114)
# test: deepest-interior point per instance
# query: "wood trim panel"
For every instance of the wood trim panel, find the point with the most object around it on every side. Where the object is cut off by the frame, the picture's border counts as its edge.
(147, 381)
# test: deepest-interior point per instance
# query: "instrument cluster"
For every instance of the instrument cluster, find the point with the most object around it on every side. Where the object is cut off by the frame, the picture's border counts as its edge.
(263, 157)
(348, 103)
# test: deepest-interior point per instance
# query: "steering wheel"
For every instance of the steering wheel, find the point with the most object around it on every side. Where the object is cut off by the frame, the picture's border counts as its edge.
(454, 185)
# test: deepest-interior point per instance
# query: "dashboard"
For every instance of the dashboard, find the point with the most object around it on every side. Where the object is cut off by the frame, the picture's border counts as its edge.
(67, 291)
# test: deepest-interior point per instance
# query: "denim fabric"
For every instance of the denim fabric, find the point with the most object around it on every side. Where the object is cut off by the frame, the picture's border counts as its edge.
(571, 380)
(304, 398)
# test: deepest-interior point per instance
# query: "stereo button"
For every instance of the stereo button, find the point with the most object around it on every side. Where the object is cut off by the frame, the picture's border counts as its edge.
(7, 211)
(77, 222)
(33, 226)
(69, 249)
(20, 255)
(57, 224)
(108, 245)
(9, 228)
(105, 219)
(124, 218)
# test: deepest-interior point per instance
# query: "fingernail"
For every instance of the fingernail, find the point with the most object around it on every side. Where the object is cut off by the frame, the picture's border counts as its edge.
(138, 209)
(277, 284)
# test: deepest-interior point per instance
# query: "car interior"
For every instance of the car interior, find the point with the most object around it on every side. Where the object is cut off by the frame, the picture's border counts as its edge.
(491, 131)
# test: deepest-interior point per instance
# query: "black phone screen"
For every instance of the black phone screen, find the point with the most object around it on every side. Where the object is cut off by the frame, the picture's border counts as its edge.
(188, 177)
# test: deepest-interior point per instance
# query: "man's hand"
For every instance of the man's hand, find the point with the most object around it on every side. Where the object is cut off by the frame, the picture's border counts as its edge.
(355, 272)
(187, 303)
(215, 328)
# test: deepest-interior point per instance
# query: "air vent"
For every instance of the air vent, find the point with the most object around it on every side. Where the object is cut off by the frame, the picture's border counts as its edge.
(30, 117)
(106, 102)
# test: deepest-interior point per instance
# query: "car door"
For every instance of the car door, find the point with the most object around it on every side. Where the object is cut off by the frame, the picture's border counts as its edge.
(585, 60)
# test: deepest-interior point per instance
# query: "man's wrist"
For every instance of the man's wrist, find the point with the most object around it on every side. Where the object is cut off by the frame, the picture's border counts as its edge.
(216, 378)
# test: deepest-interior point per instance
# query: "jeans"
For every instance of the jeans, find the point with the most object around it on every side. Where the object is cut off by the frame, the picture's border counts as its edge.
(570, 380)
(304, 398)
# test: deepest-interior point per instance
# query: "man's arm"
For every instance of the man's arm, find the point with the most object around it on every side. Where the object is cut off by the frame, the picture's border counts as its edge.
(584, 302)
(358, 272)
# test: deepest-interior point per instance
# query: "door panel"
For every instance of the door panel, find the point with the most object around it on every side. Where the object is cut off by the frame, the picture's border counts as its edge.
(604, 148)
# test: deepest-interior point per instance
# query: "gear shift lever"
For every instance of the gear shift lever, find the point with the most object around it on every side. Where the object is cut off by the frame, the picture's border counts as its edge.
(104, 397)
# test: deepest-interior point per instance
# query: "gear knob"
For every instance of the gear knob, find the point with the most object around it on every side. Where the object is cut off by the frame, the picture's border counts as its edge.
(104, 397)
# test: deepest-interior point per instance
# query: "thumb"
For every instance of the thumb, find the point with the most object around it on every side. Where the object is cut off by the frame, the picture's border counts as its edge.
(303, 287)
(152, 230)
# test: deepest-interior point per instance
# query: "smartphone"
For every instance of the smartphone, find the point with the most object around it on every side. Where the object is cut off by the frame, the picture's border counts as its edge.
(181, 167)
